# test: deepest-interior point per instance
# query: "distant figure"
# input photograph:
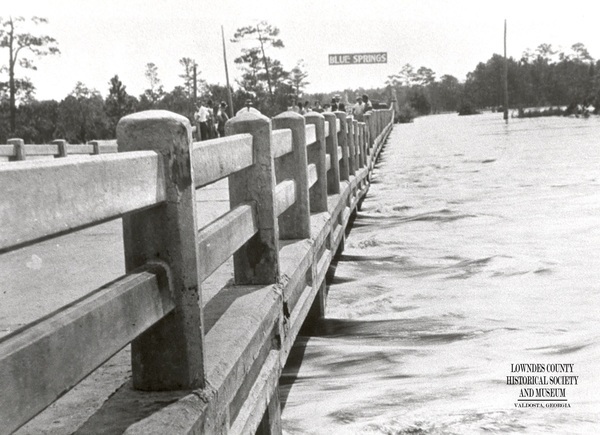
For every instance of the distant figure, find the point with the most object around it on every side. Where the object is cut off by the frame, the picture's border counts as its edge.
(334, 105)
(248, 108)
(339, 106)
(201, 117)
(358, 110)
(222, 118)
(212, 128)
(327, 108)
(317, 107)
(301, 109)
(368, 106)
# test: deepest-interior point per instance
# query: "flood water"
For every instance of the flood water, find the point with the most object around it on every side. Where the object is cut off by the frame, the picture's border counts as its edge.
(477, 248)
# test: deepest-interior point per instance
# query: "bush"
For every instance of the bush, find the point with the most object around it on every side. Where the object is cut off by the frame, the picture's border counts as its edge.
(406, 114)
(466, 108)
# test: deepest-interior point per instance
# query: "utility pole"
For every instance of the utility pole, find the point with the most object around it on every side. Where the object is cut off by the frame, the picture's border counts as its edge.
(227, 75)
(505, 78)
(195, 83)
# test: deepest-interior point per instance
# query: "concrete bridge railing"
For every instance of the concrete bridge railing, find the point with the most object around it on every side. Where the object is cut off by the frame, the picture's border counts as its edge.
(17, 150)
(293, 183)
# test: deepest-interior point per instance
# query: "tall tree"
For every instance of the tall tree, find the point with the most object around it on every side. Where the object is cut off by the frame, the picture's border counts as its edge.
(18, 41)
(81, 116)
(266, 35)
(407, 75)
(156, 91)
(118, 103)
(424, 76)
(298, 77)
(191, 76)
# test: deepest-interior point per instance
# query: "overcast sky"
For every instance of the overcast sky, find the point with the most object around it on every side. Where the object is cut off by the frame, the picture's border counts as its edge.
(101, 38)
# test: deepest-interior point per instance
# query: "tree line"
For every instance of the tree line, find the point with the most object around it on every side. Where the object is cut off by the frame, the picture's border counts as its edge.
(542, 77)
(85, 115)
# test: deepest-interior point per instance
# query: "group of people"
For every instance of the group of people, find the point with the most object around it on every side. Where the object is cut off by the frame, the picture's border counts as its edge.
(362, 106)
(211, 119)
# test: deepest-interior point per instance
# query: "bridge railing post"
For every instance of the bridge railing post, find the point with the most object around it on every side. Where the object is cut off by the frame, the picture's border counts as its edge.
(358, 145)
(19, 146)
(316, 154)
(351, 147)
(294, 223)
(169, 355)
(95, 146)
(62, 147)
(257, 261)
(331, 144)
(343, 144)
(370, 121)
(363, 144)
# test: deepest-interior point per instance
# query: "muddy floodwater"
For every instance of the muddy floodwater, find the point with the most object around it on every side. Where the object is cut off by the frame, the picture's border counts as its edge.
(467, 299)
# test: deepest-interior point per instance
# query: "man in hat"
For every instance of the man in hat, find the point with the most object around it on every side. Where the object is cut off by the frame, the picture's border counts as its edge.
(338, 106)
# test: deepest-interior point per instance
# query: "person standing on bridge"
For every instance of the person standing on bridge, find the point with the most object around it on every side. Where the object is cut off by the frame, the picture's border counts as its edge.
(358, 110)
(201, 117)
(222, 118)
(368, 106)
(339, 106)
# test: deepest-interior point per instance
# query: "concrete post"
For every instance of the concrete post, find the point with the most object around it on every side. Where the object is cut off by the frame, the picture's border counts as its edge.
(96, 146)
(363, 151)
(365, 137)
(370, 121)
(316, 154)
(351, 147)
(257, 261)
(358, 145)
(294, 223)
(62, 147)
(19, 145)
(169, 356)
(366, 142)
(331, 144)
(343, 143)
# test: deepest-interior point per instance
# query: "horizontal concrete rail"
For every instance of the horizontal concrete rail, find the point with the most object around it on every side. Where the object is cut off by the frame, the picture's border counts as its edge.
(219, 240)
(285, 196)
(75, 193)
(282, 142)
(43, 360)
(218, 158)
(312, 175)
(311, 135)
(294, 182)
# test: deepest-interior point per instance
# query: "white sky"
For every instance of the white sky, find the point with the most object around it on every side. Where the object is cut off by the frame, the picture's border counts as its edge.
(101, 38)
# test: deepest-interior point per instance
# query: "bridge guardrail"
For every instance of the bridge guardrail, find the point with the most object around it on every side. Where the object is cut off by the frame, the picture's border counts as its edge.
(280, 172)
(17, 150)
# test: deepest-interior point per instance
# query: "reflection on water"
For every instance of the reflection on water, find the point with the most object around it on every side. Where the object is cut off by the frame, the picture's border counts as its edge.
(476, 248)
